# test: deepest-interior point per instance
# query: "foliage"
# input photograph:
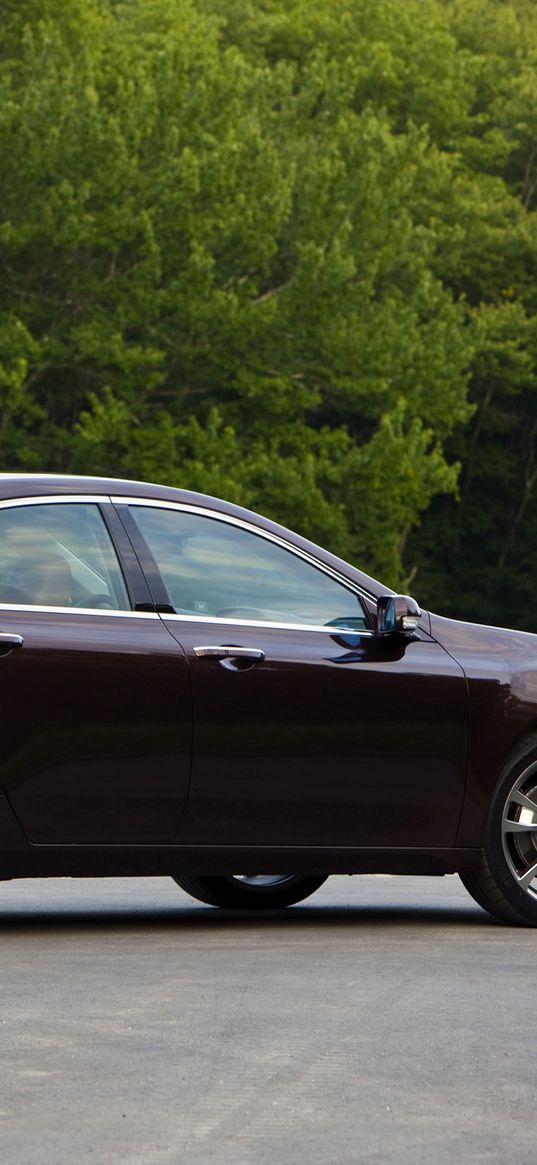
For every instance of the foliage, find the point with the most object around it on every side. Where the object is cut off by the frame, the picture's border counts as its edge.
(284, 254)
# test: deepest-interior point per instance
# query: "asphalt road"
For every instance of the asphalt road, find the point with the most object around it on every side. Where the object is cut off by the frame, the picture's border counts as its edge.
(385, 1020)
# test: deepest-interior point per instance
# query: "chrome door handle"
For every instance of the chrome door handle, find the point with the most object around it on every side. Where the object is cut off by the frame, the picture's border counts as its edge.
(227, 652)
(7, 639)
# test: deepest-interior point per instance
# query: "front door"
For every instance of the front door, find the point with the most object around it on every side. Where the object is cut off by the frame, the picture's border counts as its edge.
(329, 739)
(95, 701)
(308, 728)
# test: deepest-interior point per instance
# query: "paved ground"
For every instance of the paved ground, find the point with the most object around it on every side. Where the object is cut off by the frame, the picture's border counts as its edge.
(385, 1021)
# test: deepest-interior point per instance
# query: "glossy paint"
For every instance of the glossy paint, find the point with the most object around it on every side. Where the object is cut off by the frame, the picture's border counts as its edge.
(96, 737)
(122, 750)
(501, 670)
(335, 739)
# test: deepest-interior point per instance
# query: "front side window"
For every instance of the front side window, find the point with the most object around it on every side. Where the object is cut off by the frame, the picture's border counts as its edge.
(58, 555)
(211, 567)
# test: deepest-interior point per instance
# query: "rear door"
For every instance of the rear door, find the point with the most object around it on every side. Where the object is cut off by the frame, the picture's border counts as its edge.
(95, 705)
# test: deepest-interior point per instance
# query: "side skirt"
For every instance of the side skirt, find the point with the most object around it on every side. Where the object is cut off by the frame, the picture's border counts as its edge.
(144, 861)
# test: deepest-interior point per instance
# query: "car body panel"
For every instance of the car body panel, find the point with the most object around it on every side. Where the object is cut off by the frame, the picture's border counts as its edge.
(332, 739)
(340, 751)
(501, 670)
(96, 738)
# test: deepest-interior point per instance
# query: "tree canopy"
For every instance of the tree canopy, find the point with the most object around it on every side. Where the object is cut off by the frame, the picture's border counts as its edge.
(284, 254)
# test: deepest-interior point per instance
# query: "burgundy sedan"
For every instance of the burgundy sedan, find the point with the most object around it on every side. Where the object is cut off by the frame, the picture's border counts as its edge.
(190, 689)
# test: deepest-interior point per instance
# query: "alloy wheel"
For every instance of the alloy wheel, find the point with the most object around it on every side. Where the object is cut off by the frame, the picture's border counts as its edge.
(519, 831)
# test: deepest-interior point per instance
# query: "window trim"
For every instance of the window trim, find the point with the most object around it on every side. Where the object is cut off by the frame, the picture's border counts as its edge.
(132, 574)
(31, 607)
(249, 527)
(54, 499)
(260, 623)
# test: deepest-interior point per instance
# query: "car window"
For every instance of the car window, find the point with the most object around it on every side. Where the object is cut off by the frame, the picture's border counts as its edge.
(58, 555)
(211, 567)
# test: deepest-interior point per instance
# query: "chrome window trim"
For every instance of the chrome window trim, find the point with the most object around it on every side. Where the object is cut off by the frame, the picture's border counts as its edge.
(56, 499)
(72, 499)
(33, 607)
(259, 623)
(186, 507)
(202, 511)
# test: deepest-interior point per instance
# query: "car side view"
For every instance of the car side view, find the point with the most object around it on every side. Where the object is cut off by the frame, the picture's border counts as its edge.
(189, 689)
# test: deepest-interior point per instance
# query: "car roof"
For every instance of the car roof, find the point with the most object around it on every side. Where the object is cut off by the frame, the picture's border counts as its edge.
(26, 485)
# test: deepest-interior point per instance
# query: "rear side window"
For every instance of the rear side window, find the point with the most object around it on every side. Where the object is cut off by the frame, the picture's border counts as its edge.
(212, 567)
(59, 555)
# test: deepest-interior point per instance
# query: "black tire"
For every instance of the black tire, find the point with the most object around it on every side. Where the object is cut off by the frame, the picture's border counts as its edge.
(250, 891)
(505, 883)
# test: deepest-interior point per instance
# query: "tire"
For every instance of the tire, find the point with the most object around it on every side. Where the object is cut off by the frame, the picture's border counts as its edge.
(505, 884)
(250, 891)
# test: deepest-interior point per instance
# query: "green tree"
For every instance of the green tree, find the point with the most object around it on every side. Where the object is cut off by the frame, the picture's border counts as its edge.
(477, 555)
(262, 251)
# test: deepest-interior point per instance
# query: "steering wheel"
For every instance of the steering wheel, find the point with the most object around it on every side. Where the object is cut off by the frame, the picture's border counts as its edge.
(96, 600)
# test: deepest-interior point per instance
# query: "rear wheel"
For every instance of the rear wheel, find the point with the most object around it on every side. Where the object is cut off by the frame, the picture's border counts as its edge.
(506, 882)
(251, 891)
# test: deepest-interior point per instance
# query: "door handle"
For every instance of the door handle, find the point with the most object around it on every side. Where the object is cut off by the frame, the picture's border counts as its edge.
(228, 652)
(8, 641)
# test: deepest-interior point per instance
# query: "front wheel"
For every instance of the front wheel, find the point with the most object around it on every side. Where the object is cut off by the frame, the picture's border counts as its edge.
(250, 891)
(506, 882)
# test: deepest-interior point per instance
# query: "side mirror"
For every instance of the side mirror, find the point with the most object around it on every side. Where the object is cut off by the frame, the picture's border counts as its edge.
(397, 613)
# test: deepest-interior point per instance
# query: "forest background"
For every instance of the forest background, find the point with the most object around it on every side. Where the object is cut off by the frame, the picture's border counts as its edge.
(284, 252)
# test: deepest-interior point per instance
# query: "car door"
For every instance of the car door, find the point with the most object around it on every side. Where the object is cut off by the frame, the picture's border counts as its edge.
(94, 695)
(309, 729)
